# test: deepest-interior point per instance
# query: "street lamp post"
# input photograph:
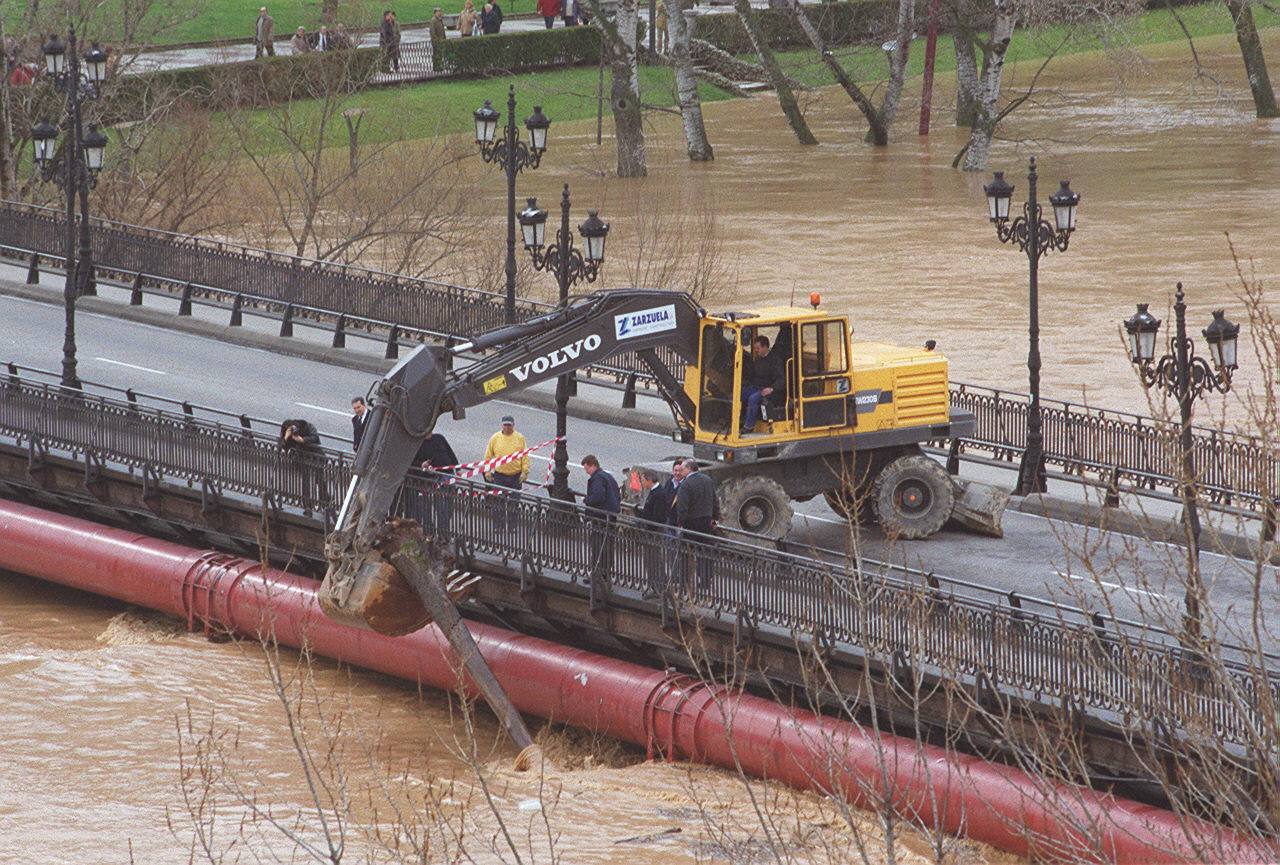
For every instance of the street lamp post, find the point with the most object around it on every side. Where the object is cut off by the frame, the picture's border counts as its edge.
(570, 265)
(76, 174)
(1186, 376)
(512, 155)
(1034, 236)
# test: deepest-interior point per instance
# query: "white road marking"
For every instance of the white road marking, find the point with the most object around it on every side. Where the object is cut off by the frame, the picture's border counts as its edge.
(131, 365)
(322, 408)
(525, 407)
(1112, 585)
(831, 520)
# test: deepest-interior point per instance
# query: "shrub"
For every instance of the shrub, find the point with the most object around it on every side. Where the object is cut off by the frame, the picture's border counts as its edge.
(842, 23)
(519, 52)
(250, 83)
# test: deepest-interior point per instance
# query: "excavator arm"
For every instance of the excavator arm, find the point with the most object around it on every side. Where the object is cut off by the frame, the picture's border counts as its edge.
(361, 587)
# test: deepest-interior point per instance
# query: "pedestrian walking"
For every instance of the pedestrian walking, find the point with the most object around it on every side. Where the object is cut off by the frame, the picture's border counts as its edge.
(324, 40)
(510, 475)
(264, 31)
(697, 512)
(549, 9)
(301, 441)
(434, 463)
(653, 514)
(438, 36)
(359, 418)
(467, 19)
(490, 19)
(569, 12)
(299, 43)
(603, 501)
(389, 41)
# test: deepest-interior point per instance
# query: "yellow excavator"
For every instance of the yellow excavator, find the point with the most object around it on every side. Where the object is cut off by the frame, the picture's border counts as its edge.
(777, 402)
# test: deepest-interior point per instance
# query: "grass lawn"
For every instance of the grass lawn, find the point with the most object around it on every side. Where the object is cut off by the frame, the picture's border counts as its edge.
(424, 110)
(867, 63)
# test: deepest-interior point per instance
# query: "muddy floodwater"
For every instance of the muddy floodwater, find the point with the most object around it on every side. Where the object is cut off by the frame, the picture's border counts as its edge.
(1167, 164)
(94, 696)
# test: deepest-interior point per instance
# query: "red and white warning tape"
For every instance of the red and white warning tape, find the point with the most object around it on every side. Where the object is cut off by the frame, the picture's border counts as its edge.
(484, 467)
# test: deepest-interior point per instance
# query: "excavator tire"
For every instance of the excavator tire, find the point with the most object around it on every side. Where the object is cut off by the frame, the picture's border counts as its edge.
(913, 497)
(756, 504)
(848, 506)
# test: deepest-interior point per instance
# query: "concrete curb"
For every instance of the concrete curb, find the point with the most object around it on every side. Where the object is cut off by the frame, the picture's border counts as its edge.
(1162, 529)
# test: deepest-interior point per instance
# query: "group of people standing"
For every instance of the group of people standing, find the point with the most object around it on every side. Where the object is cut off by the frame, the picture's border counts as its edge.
(302, 42)
(684, 508)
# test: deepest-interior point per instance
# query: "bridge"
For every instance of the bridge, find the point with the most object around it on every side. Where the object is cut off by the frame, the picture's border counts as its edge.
(217, 476)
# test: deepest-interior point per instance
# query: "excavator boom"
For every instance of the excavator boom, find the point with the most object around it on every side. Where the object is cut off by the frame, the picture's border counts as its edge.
(361, 587)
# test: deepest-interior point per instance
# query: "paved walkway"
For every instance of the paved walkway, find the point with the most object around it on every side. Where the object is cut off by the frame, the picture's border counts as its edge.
(233, 52)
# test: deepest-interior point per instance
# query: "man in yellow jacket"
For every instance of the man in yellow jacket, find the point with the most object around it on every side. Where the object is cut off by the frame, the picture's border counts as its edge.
(510, 475)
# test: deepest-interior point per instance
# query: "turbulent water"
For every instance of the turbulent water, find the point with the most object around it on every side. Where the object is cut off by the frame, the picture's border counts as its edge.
(96, 698)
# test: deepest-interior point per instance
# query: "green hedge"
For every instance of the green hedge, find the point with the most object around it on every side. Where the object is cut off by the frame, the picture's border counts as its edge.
(842, 23)
(250, 83)
(502, 53)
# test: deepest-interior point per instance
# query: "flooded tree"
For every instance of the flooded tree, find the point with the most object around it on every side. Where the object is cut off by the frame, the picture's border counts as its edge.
(695, 131)
(986, 115)
(618, 41)
(1255, 62)
(877, 131)
(786, 96)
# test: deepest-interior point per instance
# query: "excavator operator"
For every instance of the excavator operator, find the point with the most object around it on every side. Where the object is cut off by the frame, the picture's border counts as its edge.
(763, 379)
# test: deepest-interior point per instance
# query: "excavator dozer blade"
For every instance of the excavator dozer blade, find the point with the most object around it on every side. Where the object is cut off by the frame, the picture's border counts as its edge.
(979, 507)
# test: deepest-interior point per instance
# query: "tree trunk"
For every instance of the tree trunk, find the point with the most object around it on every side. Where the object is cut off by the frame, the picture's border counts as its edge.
(966, 78)
(329, 12)
(786, 98)
(898, 64)
(1255, 62)
(877, 132)
(984, 124)
(695, 132)
(618, 41)
(8, 165)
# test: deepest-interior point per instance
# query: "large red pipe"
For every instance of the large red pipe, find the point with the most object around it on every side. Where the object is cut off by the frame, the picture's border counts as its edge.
(673, 714)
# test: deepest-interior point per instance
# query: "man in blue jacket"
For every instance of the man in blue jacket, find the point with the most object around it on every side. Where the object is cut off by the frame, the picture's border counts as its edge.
(603, 501)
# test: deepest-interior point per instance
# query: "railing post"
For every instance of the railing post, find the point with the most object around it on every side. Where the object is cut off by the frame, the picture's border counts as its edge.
(629, 392)
(90, 283)
(286, 323)
(237, 314)
(33, 271)
(953, 457)
(1112, 499)
(340, 333)
(135, 293)
(184, 305)
(393, 343)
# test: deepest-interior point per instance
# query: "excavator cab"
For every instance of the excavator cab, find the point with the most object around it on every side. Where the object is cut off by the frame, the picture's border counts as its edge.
(805, 358)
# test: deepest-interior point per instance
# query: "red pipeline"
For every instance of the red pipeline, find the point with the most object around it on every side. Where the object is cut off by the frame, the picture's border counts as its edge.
(669, 714)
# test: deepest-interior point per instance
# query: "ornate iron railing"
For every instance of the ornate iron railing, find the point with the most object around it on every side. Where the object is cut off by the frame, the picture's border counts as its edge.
(1118, 451)
(1129, 672)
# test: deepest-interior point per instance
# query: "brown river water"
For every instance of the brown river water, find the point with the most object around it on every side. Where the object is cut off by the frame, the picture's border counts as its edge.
(1166, 166)
(94, 697)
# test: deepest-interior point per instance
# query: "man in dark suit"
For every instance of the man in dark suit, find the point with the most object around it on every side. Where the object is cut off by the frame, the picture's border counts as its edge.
(435, 460)
(359, 417)
(697, 511)
(654, 513)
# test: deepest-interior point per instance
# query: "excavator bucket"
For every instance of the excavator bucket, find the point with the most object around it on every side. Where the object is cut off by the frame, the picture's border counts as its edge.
(979, 507)
(373, 594)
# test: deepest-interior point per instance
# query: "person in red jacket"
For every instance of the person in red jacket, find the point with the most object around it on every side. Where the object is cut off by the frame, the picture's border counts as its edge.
(549, 9)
